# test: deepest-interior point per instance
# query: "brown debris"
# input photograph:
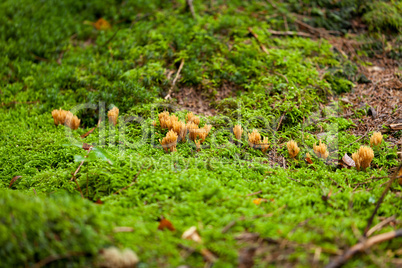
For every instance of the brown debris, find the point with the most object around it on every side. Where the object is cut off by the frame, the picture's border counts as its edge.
(202, 99)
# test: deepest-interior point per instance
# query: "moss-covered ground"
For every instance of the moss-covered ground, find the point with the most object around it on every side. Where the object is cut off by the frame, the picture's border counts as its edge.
(303, 214)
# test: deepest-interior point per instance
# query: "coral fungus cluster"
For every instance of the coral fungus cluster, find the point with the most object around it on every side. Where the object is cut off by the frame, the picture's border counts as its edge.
(293, 149)
(321, 150)
(62, 117)
(254, 140)
(113, 115)
(191, 118)
(169, 142)
(180, 129)
(363, 157)
(238, 131)
(376, 139)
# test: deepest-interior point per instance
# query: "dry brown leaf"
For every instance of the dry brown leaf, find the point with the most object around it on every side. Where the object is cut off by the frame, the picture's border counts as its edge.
(396, 126)
(192, 234)
(348, 161)
(89, 132)
(123, 229)
(99, 202)
(166, 224)
(208, 255)
(102, 24)
(14, 179)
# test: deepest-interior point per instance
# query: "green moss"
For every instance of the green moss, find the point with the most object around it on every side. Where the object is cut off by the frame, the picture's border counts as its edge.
(53, 59)
(34, 228)
(384, 16)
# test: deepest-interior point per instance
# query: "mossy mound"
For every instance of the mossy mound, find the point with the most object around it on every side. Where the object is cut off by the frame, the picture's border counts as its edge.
(35, 228)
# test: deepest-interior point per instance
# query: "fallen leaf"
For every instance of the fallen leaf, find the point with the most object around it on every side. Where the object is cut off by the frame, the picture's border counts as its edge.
(348, 161)
(326, 197)
(375, 69)
(13, 180)
(192, 234)
(89, 132)
(208, 255)
(123, 229)
(100, 202)
(86, 146)
(102, 24)
(164, 223)
(396, 126)
(258, 201)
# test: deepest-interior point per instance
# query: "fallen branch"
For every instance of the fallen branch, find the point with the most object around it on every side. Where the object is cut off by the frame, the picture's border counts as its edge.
(258, 40)
(53, 258)
(79, 167)
(79, 188)
(175, 80)
(362, 246)
(380, 225)
(370, 221)
(258, 192)
(91, 130)
(190, 6)
(289, 33)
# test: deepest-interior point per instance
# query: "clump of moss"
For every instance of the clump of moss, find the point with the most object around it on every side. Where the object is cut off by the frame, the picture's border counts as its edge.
(33, 228)
(384, 16)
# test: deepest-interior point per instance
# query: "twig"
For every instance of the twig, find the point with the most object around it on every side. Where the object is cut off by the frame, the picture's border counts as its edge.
(258, 192)
(356, 140)
(362, 246)
(79, 188)
(79, 167)
(39, 58)
(175, 80)
(263, 48)
(280, 121)
(190, 6)
(111, 38)
(61, 56)
(370, 221)
(91, 130)
(289, 33)
(53, 258)
(123, 229)
(380, 225)
(132, 183)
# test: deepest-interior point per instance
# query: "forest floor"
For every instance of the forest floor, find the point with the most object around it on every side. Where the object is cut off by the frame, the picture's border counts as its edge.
(313, 73)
